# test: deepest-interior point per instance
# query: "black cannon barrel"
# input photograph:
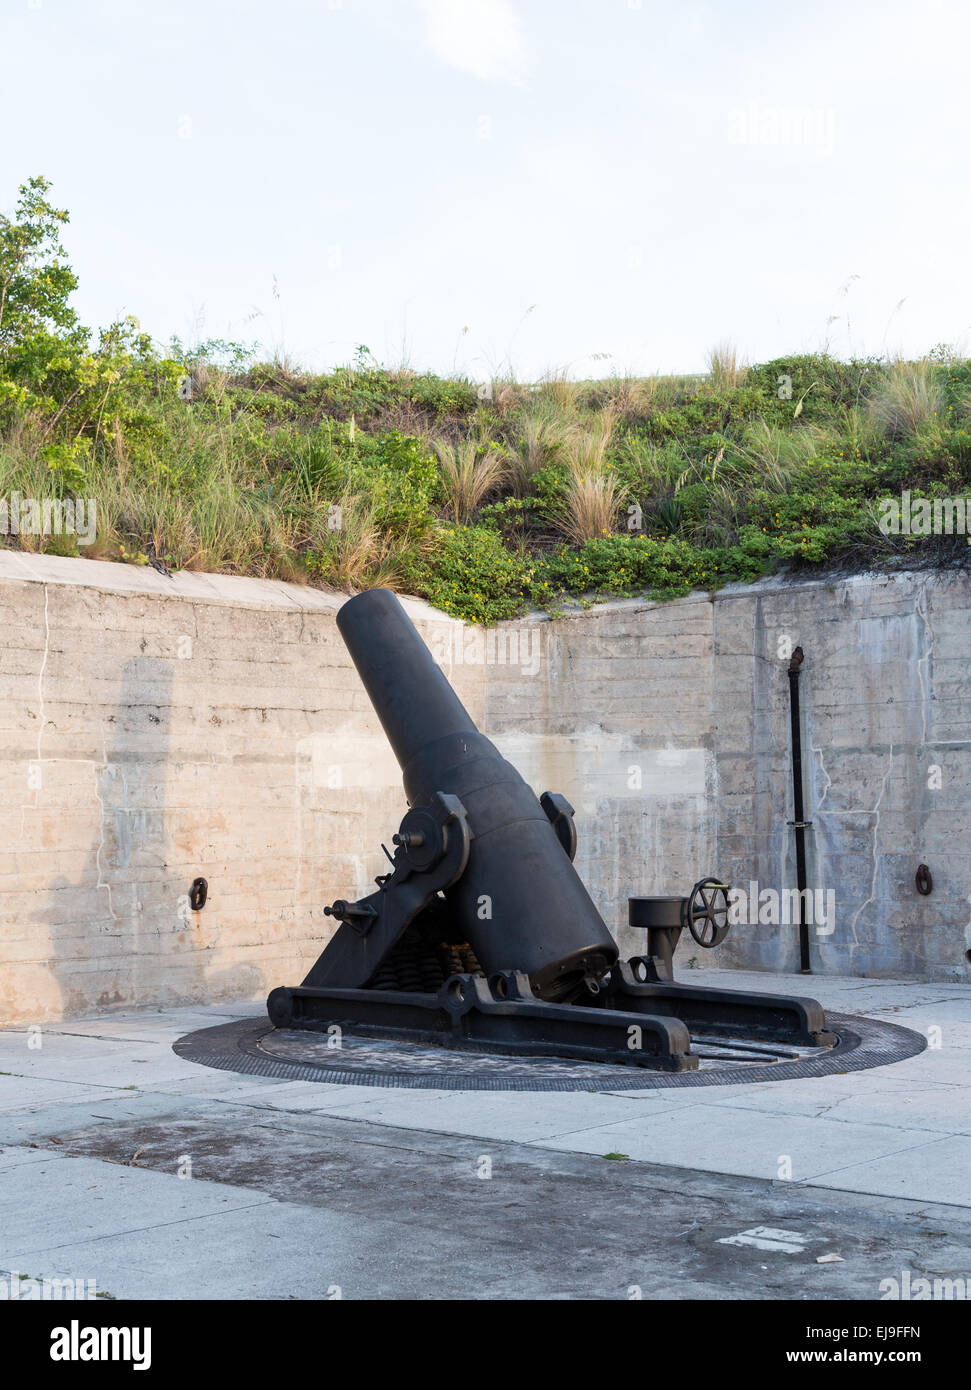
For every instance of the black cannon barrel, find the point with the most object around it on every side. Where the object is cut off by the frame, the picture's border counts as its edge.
(520, 902)
(409, 692)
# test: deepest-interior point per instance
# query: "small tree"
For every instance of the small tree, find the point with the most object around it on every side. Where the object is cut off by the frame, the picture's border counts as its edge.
(40, 335)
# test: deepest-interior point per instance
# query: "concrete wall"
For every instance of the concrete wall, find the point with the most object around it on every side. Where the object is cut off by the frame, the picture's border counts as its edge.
(153, 730)
(886, 733)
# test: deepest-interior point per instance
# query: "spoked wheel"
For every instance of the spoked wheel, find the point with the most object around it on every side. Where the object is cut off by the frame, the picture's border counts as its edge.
(705, 912)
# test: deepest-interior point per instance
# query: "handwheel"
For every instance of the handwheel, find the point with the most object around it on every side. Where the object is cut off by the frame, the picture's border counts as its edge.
(704, 915)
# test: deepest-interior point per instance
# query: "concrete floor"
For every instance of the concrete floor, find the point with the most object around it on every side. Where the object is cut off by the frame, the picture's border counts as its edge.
(306, 1190)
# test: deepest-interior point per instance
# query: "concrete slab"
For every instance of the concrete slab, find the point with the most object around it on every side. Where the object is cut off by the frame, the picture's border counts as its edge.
(745, 1142)
(69, 1201)
(250, 1253)
(148, 1025)
(944, 1031)
(938, 1172)
(865, 1098)
(15, 1156)
(381, 1184)
(378, 1212)
(517, 1116)
(292, 1095)
(945, 1109)
(947, 1067)
(227, 1083)
(19, 1093)
(130, 1065)
(85, 1107)
(852, 994)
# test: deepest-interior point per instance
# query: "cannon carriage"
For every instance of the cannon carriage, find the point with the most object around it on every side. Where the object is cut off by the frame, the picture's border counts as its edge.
(482, 935)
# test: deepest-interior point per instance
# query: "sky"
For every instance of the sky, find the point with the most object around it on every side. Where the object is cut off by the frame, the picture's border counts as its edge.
(595, 187)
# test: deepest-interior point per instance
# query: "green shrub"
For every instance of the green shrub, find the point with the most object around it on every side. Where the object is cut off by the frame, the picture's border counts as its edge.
(399, 474)
(639, 564)
(468, 572)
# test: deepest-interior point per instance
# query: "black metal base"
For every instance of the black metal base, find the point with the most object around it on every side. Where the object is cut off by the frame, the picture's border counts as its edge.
(254, 1046)
(635, 1022)
(728, 1013)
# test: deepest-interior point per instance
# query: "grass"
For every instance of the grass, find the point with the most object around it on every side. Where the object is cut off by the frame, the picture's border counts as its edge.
(471, 469)
(540, 437)
(725, 368)
(488, 502)
(908, 399)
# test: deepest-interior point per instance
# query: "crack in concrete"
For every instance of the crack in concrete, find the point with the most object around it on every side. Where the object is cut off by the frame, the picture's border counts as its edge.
(102, 881)
(821, 804)
(873, 879)
(871, 1159)
(43, 669)
(139, 1230)
(923, 664)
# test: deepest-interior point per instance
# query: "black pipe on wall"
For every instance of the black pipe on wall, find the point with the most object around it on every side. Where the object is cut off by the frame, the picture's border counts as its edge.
(799, 823)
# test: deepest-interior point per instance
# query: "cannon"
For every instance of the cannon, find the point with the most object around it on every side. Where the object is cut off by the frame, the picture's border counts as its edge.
(482, 935)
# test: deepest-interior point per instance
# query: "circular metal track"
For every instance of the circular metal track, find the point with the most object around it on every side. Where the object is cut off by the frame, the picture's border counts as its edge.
(254, 1046)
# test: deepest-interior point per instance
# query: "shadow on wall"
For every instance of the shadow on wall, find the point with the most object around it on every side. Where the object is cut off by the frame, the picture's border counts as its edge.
(121, 930)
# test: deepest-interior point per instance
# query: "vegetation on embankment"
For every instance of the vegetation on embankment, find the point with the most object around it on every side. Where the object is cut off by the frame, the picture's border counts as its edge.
(484, 498)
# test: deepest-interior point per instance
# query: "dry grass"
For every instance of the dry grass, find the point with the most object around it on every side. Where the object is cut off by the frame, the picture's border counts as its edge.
(593, 493)
(859, 427)
(726, 369)
(637, 398)
(471, 470)
(590, 507)
(586, 448)
(351, 553)
(562, 391)
(777, 454)
(908, 398)
(544, 434)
